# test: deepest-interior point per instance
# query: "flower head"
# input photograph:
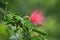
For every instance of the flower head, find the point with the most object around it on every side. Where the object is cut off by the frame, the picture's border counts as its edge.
(37, 17)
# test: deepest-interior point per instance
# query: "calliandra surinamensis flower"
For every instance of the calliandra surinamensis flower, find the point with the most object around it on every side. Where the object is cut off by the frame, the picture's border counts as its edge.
(37, 17)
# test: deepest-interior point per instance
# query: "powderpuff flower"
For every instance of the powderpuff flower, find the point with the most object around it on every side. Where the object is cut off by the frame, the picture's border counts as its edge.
(37, 17)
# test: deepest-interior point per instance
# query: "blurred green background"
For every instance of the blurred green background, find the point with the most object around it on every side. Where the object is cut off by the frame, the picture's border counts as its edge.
(24, 7)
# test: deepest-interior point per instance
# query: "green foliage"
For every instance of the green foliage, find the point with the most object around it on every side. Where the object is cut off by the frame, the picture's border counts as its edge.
(20, 28)
(17, 23)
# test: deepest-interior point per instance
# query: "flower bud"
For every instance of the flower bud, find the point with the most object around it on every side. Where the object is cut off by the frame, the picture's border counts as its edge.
(26, 17)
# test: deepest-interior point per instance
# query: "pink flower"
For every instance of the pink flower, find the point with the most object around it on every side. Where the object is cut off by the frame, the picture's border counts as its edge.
(37, 17)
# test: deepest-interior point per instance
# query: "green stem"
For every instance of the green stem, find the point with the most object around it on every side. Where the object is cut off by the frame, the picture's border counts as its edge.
(26, 34)
(16, 25)
(5, 12)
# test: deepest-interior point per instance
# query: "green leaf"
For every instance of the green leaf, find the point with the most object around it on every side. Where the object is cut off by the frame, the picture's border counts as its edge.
(39, 32)
(12, 23)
